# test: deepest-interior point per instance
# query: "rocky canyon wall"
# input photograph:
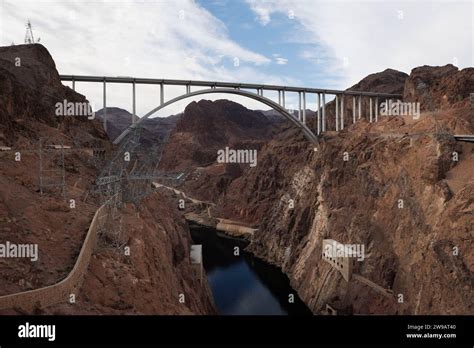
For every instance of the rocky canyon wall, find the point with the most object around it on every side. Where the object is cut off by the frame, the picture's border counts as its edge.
(392, 186)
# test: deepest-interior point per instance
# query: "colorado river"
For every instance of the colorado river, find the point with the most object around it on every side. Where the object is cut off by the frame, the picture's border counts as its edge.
(244, 284)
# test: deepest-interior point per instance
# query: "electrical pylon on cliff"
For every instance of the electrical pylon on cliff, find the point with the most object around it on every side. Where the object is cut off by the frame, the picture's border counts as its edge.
(29, 37)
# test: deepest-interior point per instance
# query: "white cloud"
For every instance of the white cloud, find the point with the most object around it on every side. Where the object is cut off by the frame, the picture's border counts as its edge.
(262, 10)
(160, 39)
(351, 39)
(281, 61)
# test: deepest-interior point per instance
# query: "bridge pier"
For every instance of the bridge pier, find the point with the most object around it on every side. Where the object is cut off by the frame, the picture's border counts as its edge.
(104, 94)
(342, 112)
(162, 94)
(337, 112)
(188, 89)
(323, 125)
(283, 97)
(134, 103)
(376, 109)
(354, 109)
(279, 97)
(370, 109)
(360, 106)
(304, 107)
(318, 115)
(299, 106)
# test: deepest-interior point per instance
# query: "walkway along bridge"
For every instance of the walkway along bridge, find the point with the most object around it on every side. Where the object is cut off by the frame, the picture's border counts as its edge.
(245, 89)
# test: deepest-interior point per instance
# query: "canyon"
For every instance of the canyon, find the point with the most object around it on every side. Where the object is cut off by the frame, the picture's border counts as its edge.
(350, 190)
(393, 187)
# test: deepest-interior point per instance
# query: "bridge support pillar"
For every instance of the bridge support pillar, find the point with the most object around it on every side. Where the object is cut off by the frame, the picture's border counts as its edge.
(323, 124)
(337, 112)
(354, 109)
(304, 107)
(104, 95)
(370, 109)
(188, 89)
(73, 84)
(299, 106)
(162, 94)
(318, 115)
(283, 98)
(360, 107)
(279, 97)
(342, 112)
(134, 104)
(376, 109)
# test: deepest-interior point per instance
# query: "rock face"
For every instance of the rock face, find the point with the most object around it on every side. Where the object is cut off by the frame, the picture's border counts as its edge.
(391, 186)
(408, 250)
(149, 280)
(392, 195)
(155, 274)
(30, 88)
(439, 87)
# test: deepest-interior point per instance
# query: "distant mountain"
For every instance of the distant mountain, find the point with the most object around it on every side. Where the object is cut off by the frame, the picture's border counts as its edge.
(273, 115)
(154, 129)
(207, 126)
(388, 81)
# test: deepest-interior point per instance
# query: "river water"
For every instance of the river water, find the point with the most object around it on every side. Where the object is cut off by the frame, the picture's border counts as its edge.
(244, 284)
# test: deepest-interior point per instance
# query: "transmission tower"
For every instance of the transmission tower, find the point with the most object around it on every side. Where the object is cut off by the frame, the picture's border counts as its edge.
(110, 184)
(29, 37)
(140, 179)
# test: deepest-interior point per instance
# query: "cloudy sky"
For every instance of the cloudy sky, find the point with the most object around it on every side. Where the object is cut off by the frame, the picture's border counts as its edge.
(325, 44)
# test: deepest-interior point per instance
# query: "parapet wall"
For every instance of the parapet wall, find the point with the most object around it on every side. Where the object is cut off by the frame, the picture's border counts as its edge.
(59, 292)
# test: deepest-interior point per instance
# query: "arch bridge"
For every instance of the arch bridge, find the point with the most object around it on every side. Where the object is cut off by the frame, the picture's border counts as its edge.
(246, 90)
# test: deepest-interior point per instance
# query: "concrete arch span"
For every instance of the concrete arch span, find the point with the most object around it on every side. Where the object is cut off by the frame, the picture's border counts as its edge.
(277, 107)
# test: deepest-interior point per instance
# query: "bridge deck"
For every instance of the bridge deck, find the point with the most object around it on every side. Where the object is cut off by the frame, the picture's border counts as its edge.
(152, 81)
